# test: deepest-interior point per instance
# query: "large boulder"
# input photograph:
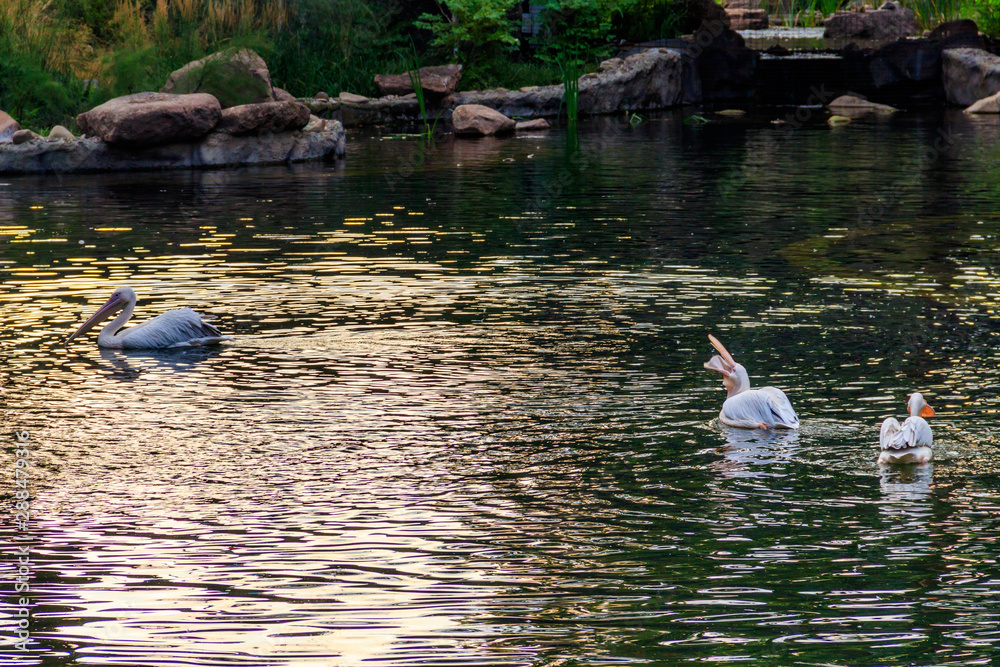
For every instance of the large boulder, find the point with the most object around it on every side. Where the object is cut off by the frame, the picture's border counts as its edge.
(725, 67)
(438, 81)
(887, 24)
(477, 120)
(970, 75)
(266, 117)
(956, 34)
(233, 76)
(8, 126)
(694, 15)
(647, 80)
(149, 119)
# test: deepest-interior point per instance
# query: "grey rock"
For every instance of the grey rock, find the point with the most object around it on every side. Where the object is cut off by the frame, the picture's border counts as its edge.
(216, 150)
(647, 80)
(234, 77)
(61, 133)
(970, 75)
(23, 136)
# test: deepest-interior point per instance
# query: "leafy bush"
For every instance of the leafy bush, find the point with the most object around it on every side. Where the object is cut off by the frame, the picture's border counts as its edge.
(986, 14)
(336, 45)
(578, 31)
(646, 20)
(472, 30)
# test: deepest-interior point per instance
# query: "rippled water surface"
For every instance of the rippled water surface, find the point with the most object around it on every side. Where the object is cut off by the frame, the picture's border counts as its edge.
(465, 421)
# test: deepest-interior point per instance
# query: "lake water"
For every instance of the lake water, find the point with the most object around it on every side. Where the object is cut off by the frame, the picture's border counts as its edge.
(465, 420)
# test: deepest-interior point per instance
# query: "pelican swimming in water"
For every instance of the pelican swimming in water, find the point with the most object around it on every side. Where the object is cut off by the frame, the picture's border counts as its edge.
(911, 442)
(180, 327)
(767, 407)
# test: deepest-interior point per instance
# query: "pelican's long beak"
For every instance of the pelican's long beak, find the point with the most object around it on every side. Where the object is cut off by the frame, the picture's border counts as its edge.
(722, 350)
(107, 310)
(926, 411)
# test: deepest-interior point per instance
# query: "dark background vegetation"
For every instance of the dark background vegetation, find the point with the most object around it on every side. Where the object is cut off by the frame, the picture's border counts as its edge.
(61, 57)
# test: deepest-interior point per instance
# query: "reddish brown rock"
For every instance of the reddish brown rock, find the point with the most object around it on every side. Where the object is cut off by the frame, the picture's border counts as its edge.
(532, 125)
(477, 120)
(148, 119)
(270, 117)
(741, 18)
(8, 126)
(281, 95)
(889, 23)
(989, 104)
(439, 80)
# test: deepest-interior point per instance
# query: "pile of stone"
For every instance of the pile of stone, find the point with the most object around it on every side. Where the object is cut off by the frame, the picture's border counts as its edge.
(220, 110)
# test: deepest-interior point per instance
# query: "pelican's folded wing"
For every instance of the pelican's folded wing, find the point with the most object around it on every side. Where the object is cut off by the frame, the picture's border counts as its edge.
(915, 432)
(781, 408)
(886, 436)
(767, 406)
(170, 329)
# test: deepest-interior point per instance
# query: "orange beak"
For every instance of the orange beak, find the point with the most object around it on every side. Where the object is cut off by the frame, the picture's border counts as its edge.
(721, 349)
(927, 411)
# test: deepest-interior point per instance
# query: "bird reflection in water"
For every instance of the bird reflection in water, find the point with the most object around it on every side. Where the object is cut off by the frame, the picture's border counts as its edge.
(755, 453)
(130, 365)
(906, 487)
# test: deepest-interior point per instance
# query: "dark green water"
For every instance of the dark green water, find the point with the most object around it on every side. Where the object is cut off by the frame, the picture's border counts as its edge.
(465, 419)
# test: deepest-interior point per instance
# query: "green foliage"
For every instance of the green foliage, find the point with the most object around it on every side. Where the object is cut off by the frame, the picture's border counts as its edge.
(472, 30)
(986, 14)
(645, 20)
(578, 31)
(335, 45)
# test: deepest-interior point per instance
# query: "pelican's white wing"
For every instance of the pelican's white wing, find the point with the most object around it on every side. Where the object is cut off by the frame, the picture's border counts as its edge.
(768, 406)
(915, 432)
(890, 427)
(180, 327)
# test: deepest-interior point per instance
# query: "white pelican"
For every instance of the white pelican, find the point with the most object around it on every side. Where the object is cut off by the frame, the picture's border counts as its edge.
(767, 407)
(911, 442)
(180, 327)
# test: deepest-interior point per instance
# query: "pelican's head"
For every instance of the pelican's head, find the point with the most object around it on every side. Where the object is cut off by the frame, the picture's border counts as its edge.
(120, 298)
(918, 406)
(734, 376)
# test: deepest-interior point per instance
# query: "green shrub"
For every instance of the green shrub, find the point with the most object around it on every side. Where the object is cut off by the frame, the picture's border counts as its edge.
(986, 14)
(646, 20)
(578, 31)
(336, 45)
(473, 31)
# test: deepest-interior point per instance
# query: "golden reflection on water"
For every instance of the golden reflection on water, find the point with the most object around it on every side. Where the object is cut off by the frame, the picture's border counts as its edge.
(455, 427)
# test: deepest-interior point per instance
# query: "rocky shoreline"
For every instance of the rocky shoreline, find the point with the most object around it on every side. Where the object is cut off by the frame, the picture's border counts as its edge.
(187, 126)
(220, 111)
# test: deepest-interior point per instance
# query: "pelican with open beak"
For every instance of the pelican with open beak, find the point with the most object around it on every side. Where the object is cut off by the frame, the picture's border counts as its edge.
(767, 407)
(180, 327)
(910, 442)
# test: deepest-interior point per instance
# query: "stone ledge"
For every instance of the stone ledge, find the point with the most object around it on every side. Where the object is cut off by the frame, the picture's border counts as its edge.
(216, 150)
